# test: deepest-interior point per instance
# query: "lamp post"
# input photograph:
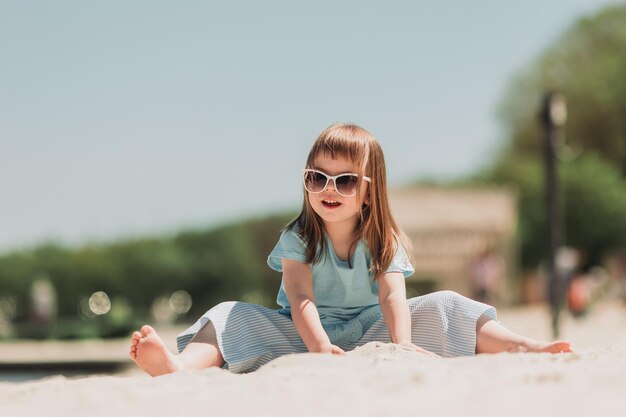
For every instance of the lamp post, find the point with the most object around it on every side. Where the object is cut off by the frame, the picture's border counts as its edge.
(553, 115)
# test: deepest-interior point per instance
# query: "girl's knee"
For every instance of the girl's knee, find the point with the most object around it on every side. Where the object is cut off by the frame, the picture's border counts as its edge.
(436, 299)
(228, 303)
(447, 297)
(225, 305)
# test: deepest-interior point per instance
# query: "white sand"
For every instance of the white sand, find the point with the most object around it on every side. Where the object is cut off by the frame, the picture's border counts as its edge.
(375, 380)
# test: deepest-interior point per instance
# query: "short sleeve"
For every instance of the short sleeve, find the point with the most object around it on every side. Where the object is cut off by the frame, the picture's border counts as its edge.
(400, 263)
(290, 246)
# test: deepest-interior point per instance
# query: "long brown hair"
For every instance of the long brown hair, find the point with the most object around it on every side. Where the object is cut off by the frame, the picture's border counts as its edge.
(376, 224)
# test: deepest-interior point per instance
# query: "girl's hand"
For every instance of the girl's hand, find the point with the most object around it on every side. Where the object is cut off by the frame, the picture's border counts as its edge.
(418, 349)
(332, 349)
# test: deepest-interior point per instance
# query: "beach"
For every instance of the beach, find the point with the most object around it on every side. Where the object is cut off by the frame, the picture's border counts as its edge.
(374, 380)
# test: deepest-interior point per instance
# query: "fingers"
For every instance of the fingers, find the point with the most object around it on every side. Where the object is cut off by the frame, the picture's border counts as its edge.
(418, 349)
(338, 351)
(330, 348)
(428, 353)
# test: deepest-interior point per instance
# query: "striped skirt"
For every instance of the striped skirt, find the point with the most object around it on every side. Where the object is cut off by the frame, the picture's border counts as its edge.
(249, 335)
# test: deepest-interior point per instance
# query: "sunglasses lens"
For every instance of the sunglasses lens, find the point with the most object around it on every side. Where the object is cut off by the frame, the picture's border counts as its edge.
(314, 181)
(346, 184)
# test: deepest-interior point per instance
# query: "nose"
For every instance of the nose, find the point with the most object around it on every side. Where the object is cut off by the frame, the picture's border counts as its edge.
(331, 185)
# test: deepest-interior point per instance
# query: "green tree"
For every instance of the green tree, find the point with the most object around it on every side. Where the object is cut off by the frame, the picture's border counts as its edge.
(588, 65)
(225, 263)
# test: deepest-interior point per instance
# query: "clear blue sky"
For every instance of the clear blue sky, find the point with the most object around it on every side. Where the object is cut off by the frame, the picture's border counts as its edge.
(120, 119)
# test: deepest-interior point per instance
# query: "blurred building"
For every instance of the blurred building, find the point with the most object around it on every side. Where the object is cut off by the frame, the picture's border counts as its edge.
(451, 228)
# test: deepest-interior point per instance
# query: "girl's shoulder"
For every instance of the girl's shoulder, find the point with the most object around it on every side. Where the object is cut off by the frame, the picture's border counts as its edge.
(289, 246)
(291, 236)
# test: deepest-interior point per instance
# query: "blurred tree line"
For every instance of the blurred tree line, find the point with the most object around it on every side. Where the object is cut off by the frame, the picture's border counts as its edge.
(587, 64)
(226, 263)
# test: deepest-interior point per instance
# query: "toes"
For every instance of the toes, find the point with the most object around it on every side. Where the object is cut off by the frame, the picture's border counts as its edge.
(147, 330)
(558, 347)
(563, 346)
(134, 345)
(134, 341)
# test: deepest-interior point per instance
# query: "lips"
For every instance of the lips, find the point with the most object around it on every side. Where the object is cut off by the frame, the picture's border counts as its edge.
(330, 203)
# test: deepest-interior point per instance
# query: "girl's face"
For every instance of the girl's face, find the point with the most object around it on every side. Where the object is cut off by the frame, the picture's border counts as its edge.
(331, 206)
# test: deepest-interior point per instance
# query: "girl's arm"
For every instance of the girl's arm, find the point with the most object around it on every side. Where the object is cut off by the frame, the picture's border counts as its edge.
(392, 298)
(298, 283)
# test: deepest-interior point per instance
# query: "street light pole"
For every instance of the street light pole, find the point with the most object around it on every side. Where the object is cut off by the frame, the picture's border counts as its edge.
(553, 116)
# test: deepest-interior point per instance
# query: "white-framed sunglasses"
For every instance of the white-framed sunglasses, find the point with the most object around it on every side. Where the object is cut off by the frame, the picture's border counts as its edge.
(316, 181)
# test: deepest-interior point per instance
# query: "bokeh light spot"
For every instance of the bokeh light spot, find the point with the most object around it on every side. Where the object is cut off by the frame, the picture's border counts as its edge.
(8, 308)
(99, 303)
(180, 302)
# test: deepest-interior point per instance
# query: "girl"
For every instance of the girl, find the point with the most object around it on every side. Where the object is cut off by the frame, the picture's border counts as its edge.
(344, 261)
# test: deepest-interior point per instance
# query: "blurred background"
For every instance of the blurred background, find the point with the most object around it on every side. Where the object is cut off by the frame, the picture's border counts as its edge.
(150, 152)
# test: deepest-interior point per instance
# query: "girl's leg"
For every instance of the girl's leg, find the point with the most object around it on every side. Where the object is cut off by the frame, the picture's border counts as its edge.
(149, 352)
(202, 352)
(492, 337)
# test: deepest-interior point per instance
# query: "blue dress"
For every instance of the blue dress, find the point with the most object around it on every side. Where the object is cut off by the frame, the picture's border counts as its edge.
(346, 297)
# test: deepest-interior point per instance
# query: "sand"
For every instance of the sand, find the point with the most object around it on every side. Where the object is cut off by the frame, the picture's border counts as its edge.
(375, 380)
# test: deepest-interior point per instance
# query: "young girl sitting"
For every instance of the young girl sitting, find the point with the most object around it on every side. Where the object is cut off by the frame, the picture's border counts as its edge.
(344, 262)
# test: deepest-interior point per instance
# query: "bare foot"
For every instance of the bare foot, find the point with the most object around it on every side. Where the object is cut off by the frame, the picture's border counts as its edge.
(149, 352)
(559, 346)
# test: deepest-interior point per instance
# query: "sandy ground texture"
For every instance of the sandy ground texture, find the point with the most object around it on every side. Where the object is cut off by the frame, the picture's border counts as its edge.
(375, 380)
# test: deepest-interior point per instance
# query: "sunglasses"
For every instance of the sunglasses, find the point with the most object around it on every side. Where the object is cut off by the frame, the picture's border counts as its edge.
(316, 181)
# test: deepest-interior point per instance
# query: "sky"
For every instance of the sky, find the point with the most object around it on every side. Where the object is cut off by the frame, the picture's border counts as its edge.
(126, 119)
